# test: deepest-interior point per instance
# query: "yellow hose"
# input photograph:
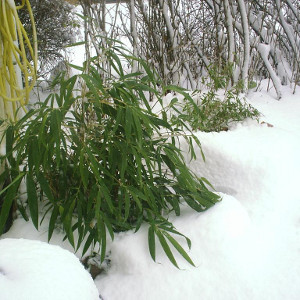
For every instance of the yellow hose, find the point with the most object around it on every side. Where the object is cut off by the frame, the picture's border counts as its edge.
(17, 74)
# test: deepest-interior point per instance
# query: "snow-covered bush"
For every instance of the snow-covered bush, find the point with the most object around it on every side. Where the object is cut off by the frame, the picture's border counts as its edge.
(182, 38)
(100, 163)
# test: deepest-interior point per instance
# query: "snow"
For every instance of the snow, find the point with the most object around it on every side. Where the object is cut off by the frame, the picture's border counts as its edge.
(33, 270)
(245, 247)
(247, 244)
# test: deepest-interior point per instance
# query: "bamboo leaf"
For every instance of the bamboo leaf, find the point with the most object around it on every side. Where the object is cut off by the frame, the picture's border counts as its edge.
(9, 134)
(178, 247)
(88, 242)
(103, 241)
(82, 169)
(105, 193)
(8, 200)
(93, 163)
(135, 197)
(52, 222)
(45, 186)
(128, 125)
(68, 224)
(166, 247)
(17, 180)
(127, 205)
(74, 45)
(207, 182)
(151, 242)
(172, 230)
(109, 227)
(32, 200)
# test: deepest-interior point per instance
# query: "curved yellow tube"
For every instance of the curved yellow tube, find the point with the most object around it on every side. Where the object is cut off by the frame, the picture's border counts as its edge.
(17, 74)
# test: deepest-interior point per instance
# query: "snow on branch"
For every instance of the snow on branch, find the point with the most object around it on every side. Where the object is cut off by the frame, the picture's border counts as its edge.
(264, 51)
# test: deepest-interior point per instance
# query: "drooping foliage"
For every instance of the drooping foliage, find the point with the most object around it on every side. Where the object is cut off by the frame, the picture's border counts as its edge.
(99, 161)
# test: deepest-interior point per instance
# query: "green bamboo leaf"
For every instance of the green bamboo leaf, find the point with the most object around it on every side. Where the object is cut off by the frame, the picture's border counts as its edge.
(207, 182)
(79, 207)
(124, 162)
(127, 205)
(32, 200)
(9, 134)
(11, 194)
(89, 241)
(33, 154)
(23, 212)
(159, 122)
(135, 197)
(183, 92)
(43, 133)
(67, 221)
(45, 186)
(93, 163)
(130, 75)
(138, 127)
(166, 247)
(151, 241)
(49, 205)
(98, 205)
(74, 45)
(27, 116)
(197, 206)
(175, 204)
(129, 123)
(109, 227)
(136, 191)
(103, 241)
(17, 181)
(55, 130)
(139, 222)
(172, 230)
(148, 70)
(191, 148)
(82, 169)
(178, 247)
(52, 222)
(105, 193)
(119, 67)
(93, 86)
(83, 17)
(195, 138)
(174, 88)
(69, 99)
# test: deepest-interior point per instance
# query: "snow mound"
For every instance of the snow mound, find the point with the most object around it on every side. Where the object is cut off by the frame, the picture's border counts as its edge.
(218, 238)
(33, 270)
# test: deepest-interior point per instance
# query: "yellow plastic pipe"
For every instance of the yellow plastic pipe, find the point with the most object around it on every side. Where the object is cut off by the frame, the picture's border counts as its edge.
(17, 73)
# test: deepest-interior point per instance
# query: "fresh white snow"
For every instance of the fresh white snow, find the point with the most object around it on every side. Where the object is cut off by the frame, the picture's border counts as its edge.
(247, 246)
(33, 270)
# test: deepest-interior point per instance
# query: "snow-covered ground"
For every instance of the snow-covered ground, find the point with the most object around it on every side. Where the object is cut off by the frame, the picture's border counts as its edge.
(246, 247)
